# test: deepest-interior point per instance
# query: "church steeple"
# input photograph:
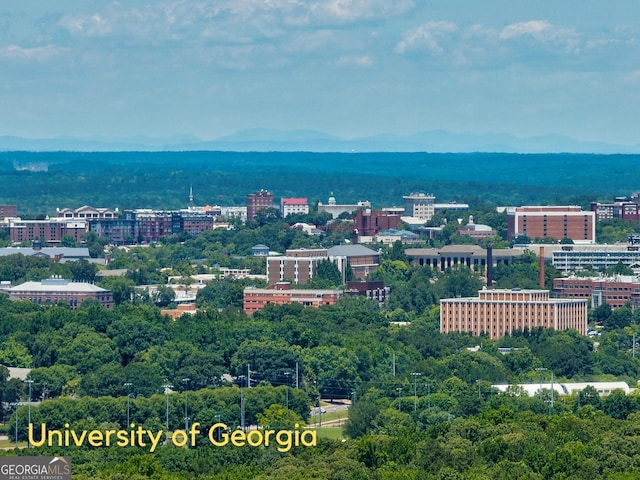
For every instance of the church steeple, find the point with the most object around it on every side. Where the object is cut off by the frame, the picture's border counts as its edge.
(190, 197)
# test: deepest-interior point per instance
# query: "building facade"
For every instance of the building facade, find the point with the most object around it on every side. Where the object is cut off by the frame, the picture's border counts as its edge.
(615, 291)
(336, 209)
(419, 205)
(573, 258)
(258, 201)
(255, 299)
(49, 231)
(501, 311)
(59, 290)
(368, 223)
(297, 266)
(292, 206)
(472, 256)
(87, 212)
(557, 222)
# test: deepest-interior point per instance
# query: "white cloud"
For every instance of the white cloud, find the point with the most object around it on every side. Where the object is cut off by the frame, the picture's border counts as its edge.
(543, 32)
(430, 36)
(358, 61)
(42, 53)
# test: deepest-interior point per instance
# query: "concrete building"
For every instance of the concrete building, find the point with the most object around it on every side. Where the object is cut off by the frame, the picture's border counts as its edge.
(476, 231)
(87, 212)
(472, 256)
(59, 254)
(297, 266)
(362, 260)
(501, 311)
(419, 205)
(573, 258)
(292, 206)
(59, 290)
(622, 207)
(551, 221)
(615, 291)
(255, 299)
(258, 201)
(336, 209)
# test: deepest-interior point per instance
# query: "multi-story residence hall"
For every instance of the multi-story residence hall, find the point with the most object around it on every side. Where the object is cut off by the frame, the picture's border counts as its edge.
(59, 290)
(300, 266)
(255, 299)
(502, 311)
(551, 221)
(622, 207)
(615, 291)
(49, 231)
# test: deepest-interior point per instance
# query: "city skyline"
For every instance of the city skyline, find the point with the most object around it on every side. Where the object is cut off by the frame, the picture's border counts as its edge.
(347, 68)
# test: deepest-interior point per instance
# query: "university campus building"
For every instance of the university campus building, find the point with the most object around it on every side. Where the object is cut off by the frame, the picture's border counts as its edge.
(260, 200)
(615, 291)
(472, 256)
(502, 311)
(60, 290)
(255, 299)
(551, 221)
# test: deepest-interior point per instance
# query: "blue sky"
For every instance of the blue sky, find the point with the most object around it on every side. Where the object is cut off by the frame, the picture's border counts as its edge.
(348, 68)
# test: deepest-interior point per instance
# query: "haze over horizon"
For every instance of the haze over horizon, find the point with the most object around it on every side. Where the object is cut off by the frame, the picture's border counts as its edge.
(350, 69)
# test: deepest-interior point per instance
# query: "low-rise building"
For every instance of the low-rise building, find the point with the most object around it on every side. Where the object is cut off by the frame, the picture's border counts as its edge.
(59, 290)
(557, 222)
(615, 291)
(502, 311)
(255, 299)
(292, 206)
(336, 209)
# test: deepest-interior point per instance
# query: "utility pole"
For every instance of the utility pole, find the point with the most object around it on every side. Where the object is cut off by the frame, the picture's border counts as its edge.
(248, 375)
(399, 399)
(128, 387)
(166, 387)
(551, 401)
(29, 381)
(186, 411)
(242, 411)
(540, 370)
(393, 364)
(415, 390)
(428, 385)
(286, 375)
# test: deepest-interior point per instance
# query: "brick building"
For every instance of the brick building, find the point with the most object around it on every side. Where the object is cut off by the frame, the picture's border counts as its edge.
(260, 200)
(369, 223)
(49, 231)
(615, 291)
(551, 221)
(501, 311)
(58, 290)
(255, 299)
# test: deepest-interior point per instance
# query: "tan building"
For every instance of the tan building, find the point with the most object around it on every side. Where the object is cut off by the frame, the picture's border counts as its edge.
(502, 311)
(297, 266)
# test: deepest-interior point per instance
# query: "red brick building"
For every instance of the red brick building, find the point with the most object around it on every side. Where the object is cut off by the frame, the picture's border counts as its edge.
(369, 222)
(551, 221)
(48, 231)
(255, 299)
(258, 201)
(615, 291)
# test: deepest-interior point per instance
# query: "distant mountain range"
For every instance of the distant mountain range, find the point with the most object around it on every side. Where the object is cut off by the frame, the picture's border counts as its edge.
(266, 140)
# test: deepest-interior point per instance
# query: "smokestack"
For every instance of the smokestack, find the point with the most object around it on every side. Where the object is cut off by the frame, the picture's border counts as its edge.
(489, 265)
(541, 267)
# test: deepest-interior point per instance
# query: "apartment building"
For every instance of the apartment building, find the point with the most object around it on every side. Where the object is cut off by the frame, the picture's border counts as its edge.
(48, 231)
(502, 311)
(419, 205)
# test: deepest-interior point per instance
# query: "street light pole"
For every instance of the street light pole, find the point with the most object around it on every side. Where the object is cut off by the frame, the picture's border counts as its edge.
(415, 390)
(399, 399)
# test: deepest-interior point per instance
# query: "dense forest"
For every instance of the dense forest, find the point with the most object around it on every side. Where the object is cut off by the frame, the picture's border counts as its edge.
(41, 182)
(421, 404)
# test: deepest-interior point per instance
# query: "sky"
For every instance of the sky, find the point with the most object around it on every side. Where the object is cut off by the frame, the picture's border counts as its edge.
(350, 68)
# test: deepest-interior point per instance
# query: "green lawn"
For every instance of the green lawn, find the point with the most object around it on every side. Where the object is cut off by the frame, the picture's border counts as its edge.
(331, 433)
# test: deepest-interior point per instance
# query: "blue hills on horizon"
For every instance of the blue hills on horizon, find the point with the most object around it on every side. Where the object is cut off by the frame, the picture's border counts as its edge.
(270, 140)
